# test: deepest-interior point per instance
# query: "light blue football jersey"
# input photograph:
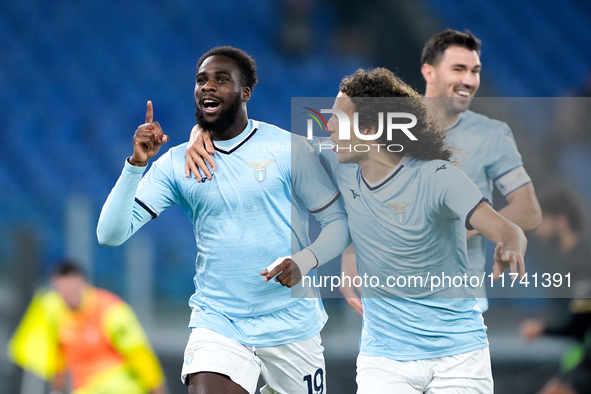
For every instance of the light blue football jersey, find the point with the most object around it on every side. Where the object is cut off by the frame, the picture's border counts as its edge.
(412, 224)
(244, 219)
(485, 150)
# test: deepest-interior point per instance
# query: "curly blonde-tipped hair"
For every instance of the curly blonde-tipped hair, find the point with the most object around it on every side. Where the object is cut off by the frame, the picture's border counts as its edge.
(364, 87)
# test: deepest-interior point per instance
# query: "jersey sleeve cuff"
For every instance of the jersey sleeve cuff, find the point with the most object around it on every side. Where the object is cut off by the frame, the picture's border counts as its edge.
(306, 260)
(469, 215)
(133, 169)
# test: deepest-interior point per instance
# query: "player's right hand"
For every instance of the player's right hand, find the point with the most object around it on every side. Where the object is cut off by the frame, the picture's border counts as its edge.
(147, 139)
(506, 258)
(355, 303)
(284, 270)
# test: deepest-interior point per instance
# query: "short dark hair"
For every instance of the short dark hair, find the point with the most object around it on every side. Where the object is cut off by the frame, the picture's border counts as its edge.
(436, 45)
(248, 70)
(364, 86)
(561, 201)
(66, 267)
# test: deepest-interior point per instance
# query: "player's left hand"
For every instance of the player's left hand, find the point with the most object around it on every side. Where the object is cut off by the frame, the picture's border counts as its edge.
(198, 152)
(507, 259)
(285, 271)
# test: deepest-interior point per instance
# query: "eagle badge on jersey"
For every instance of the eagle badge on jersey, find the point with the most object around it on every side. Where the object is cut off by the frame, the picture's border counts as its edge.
(260, 172)
(400, 211)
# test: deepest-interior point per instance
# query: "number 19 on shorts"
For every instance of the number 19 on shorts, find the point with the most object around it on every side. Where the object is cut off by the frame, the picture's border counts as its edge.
(315, 383)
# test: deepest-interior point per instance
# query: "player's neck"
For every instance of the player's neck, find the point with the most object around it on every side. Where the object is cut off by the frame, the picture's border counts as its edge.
(451, 119)
(234, 130)
(377, 166)
(440, 112)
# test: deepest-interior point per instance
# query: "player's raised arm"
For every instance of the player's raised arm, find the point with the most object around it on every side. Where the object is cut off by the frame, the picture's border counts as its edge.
(510, 239)
(118, 220)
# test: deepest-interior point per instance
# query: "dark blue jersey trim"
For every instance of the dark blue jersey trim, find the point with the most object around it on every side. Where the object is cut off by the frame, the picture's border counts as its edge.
(146, 207)
(371, 189)
(327, 204)
(467, 224)
(237, 146)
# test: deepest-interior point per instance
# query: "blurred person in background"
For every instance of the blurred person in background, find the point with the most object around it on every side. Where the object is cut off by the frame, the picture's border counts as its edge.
(564, 227)
(85, 339)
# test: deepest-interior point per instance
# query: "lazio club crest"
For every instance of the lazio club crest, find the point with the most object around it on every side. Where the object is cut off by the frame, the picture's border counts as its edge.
(400, 211)
(260, 172)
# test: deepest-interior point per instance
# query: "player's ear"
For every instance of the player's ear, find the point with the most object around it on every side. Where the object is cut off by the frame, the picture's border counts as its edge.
(246, 93)
(369, 130)
(428, 71)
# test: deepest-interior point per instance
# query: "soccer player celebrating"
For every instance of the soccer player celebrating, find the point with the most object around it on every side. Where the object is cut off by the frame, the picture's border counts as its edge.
(408, 212)
(486, 149)
(244, 219)
(420, 206)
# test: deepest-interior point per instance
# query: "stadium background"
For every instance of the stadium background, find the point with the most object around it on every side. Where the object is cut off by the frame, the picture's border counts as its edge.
(75, 77)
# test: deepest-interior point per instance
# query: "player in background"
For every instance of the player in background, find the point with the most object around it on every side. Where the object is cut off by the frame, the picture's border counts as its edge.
(564, 226)
(244, 219)
(86, 338)
(484, 148)
(408, 213)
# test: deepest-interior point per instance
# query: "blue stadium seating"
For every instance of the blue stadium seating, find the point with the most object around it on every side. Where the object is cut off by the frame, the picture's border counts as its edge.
(74, 81)
(532, 48)
(75, 77)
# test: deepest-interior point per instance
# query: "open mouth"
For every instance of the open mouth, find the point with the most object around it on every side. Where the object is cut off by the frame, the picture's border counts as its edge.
(210, 105)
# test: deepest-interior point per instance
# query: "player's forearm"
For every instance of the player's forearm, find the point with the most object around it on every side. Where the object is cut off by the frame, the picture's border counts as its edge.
(334, 237)
(523, 208)
(349, 269)
(115, 223)
(349, 261)
(527, 217)
(498, 229)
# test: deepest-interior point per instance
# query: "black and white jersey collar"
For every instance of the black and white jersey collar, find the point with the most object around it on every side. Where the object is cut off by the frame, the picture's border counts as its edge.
(388, 177)
(233, 144)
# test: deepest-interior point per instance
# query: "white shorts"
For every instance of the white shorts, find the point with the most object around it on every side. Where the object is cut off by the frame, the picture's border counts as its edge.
(466, 373)
(294, 368)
